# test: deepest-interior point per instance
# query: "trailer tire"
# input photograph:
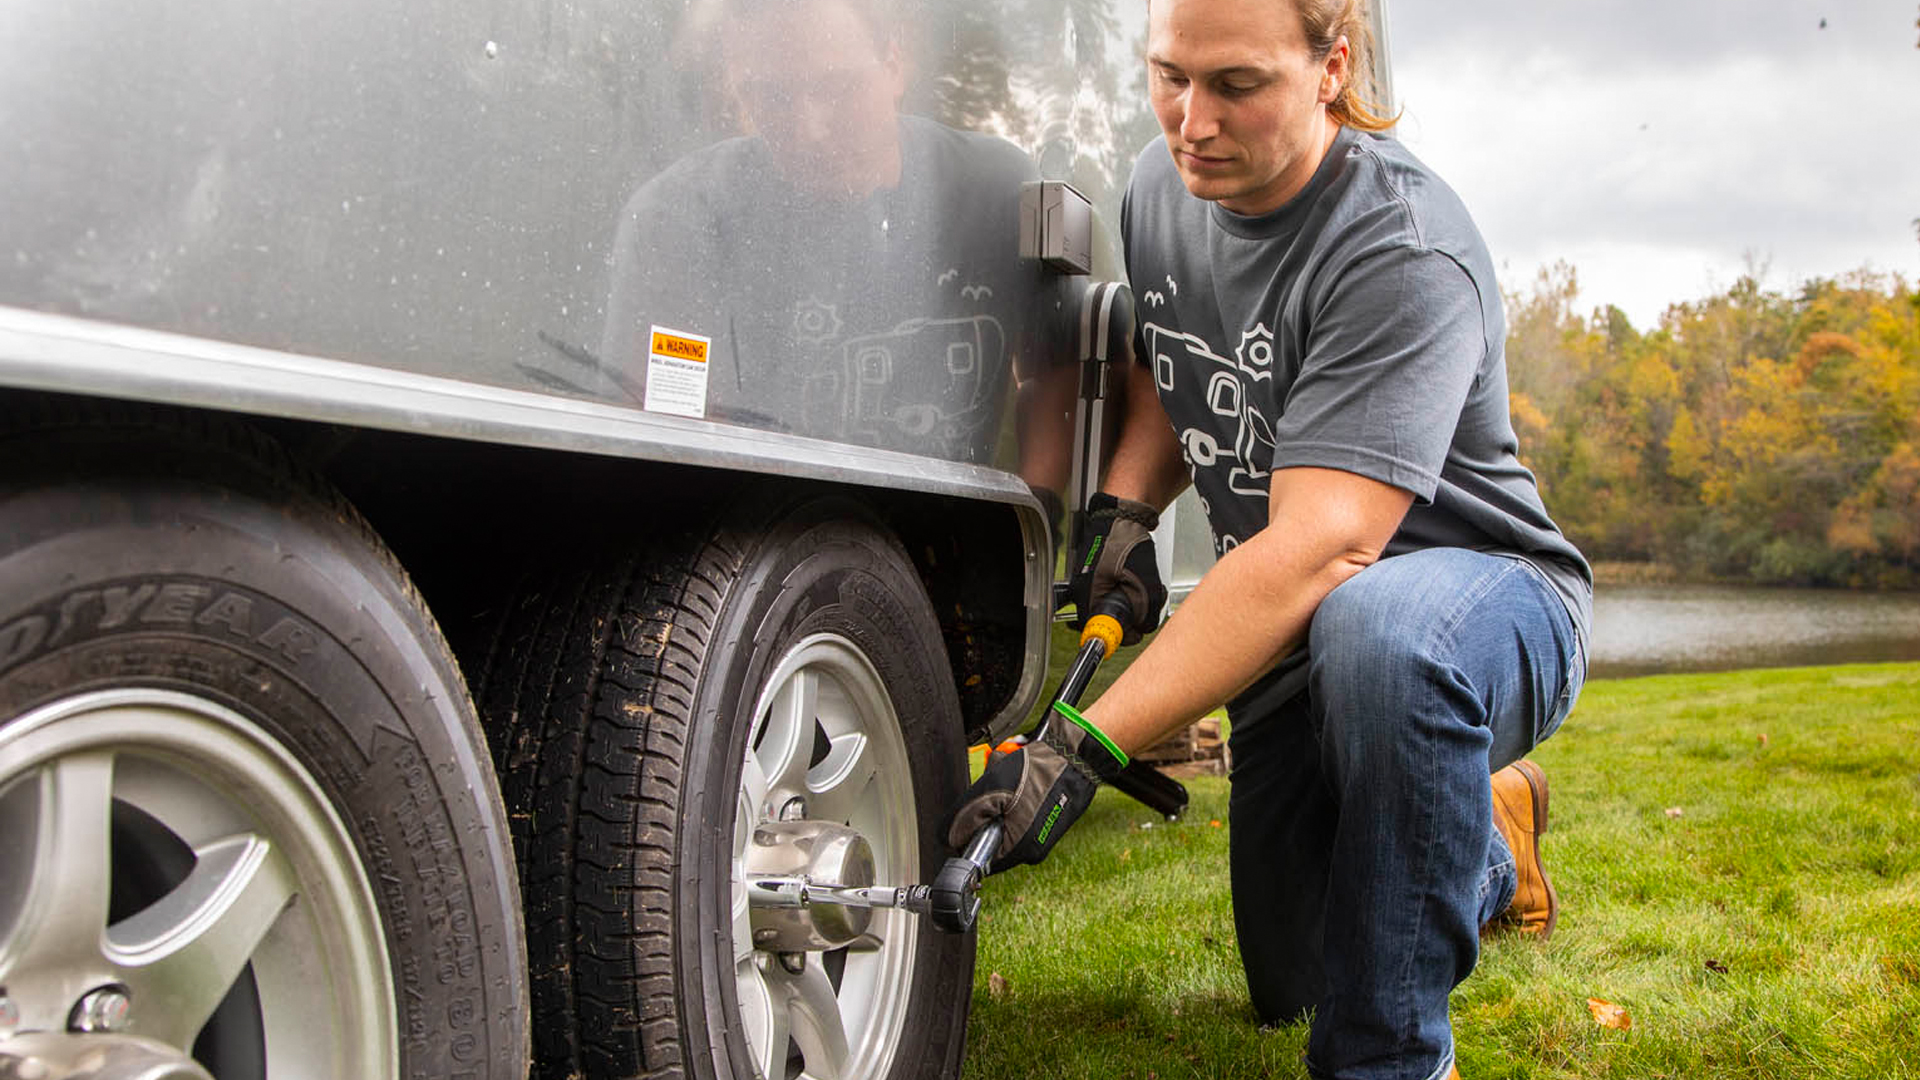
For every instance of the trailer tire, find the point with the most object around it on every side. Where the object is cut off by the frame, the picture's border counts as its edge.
(215, 683)
(622, 696)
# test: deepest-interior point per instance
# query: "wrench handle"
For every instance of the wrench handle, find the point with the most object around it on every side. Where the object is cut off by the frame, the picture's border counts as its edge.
(955, 896)
(979, 853)
(954, 900)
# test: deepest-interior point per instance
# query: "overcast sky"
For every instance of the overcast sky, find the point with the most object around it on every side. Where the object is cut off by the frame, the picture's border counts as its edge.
(1657, 145)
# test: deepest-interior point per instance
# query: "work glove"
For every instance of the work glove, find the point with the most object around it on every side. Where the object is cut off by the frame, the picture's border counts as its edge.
(1117, 554)
(1039, 790)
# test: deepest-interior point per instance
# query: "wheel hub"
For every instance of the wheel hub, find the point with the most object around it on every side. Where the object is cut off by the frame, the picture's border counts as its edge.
(826, 798)
(272, 904)
(46, 1055)
(818, 852)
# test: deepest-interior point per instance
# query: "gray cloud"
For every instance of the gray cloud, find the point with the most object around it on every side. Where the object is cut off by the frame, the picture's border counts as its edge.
(1627, 34)
(1664, 158)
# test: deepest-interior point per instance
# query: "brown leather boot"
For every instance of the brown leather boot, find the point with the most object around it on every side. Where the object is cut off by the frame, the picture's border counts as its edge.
(1520, 813)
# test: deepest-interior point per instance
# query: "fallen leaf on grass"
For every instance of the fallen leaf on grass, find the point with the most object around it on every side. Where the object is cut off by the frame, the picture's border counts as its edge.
(1607, 1014)
(1716, 967)
(1127, 855)
(1215, 823)
(1674, 811)
(996, 986)
(1763, 738)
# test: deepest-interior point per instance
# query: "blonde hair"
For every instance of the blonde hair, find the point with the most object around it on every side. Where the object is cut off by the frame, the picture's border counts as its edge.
(1325, 22)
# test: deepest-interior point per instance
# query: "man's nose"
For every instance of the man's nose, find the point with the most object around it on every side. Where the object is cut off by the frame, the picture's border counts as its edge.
(1200, 120)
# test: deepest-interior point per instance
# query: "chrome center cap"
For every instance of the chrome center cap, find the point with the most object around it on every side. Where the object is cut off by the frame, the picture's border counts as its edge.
(821, 853)
(46, 1055)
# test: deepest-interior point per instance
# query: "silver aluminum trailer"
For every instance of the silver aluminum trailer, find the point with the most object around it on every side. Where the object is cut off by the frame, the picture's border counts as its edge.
(479, 485)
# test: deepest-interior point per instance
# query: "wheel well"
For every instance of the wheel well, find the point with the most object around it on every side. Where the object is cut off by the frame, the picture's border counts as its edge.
(461, 516)
(464, 517)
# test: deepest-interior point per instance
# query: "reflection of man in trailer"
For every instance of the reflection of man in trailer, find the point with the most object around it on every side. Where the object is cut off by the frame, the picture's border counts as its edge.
(1393, 612)
(856, 269)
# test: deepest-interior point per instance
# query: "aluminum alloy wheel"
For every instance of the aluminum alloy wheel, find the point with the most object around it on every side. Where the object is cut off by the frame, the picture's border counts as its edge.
(826, 746)
(271, 890)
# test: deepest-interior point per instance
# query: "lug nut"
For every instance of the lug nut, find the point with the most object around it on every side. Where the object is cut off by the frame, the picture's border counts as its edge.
(795, 810)
(104, 1009)
(794, 962)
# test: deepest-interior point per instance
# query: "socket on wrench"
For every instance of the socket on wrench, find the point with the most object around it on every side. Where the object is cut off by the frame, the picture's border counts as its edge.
(951, 901)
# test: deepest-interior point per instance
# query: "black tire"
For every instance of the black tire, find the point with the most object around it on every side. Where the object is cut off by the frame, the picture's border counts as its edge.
(156, 564)
(620, 696)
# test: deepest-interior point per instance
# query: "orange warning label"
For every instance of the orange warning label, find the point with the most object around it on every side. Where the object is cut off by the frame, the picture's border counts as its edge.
(680, 348)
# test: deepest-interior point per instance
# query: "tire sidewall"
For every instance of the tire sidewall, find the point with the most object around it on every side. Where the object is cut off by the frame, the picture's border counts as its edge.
(279, 608)
(821, 566)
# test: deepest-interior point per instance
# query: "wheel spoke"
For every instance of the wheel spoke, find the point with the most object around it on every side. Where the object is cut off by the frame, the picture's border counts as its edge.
(742, 924)
(786, 743)
(764, 1020)
(841, 784)
(64, 912)
(752, 808)
(747, 813)
(814, 1014)
(181, 954)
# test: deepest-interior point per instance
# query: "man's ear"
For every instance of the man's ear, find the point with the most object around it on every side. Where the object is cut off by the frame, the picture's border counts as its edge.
(737, 115)
(894, 60)
(1338, 66)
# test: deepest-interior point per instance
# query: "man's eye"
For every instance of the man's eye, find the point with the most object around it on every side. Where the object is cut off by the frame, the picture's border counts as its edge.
(1171, 79)
(1238, 89)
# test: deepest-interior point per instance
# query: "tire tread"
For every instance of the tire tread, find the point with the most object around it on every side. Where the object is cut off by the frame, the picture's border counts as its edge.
(591, 687)
(607, 753)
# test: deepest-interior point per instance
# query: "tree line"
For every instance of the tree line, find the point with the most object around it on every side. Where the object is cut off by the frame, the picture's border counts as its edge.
(1756, 435)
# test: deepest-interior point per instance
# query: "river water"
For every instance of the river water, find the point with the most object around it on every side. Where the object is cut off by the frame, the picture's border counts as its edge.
(1646, 629)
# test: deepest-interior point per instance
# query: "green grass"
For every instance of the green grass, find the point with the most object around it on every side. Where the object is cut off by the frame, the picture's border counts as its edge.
(1793, 866)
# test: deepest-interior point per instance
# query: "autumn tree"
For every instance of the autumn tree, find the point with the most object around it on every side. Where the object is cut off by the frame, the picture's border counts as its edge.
(1752, 434)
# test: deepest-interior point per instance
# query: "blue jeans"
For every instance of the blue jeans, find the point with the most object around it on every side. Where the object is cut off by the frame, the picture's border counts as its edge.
(1364, 856)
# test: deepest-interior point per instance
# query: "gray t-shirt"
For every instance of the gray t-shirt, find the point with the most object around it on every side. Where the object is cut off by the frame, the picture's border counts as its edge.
(892, 320)
(1357, 327)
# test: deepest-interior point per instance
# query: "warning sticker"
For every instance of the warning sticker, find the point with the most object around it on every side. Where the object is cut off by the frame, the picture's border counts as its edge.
(677, 372)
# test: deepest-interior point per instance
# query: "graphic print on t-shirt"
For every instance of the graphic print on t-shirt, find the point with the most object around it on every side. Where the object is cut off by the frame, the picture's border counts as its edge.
(920, 379)
(1229, 394)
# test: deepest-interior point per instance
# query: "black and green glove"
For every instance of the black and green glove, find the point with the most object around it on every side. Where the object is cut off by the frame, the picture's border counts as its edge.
(1117, 554)
(1039, 790)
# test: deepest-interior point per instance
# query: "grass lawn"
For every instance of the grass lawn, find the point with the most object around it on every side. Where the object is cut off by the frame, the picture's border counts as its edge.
(1738, 860)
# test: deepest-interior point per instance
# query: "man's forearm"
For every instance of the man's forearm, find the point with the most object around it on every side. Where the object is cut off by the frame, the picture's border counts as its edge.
(1147, 465)
(1235, 627)
(1254, 606)
(1043, 422)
